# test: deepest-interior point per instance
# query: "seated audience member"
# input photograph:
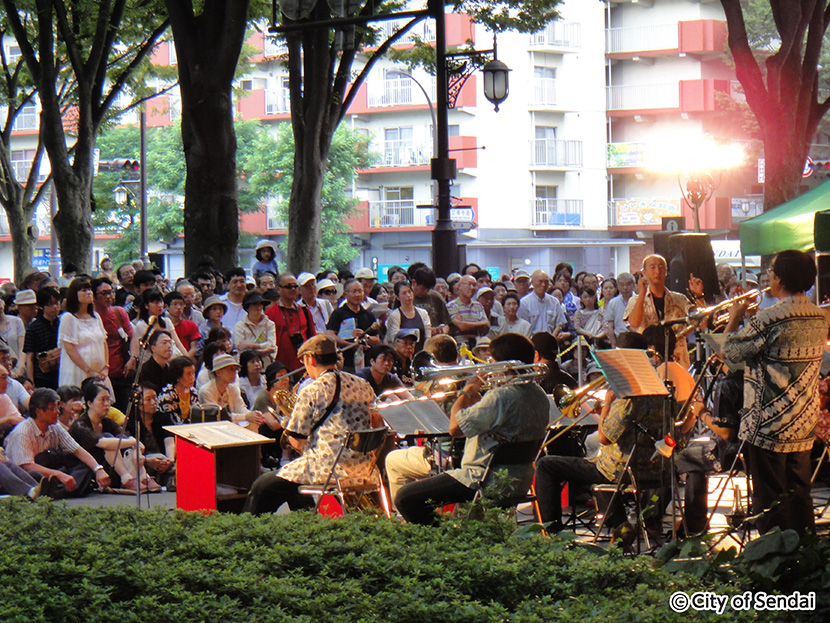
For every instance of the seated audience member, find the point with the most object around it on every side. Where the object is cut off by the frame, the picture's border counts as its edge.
(250, 375)
(160, 461)
(14, 388)
(508, 413)
(206, 373)
(151, 311)
(222, 392)
(179, 396)
(71, 405)
(154, 370)
(105, 441)
(39, 444)
(9, 414)
(547, 349)
(14, 480)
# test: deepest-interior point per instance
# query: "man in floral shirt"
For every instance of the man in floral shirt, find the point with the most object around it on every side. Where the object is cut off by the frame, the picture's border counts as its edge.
(327, 409)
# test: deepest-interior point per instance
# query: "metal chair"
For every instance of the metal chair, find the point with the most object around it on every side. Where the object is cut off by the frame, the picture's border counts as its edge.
(510, 454)
(354, 486)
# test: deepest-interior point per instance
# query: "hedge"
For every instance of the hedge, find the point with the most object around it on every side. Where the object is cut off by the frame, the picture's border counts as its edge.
(118, 565)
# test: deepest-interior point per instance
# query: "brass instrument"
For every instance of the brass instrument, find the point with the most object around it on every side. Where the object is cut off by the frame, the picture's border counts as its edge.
(491, 374)
(719, 313)
(465, 351)
(570, 401)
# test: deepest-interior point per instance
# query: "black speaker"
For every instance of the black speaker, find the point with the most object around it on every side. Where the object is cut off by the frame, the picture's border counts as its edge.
(661, 243)
(691, 253)
(823, 268)
(821, 230)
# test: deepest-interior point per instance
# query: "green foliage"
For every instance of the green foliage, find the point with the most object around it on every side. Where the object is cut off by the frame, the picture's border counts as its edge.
(501, 15)
(267, 164)
(91, 565)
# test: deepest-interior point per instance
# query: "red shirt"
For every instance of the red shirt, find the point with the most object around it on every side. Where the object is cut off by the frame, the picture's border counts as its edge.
(115, 318)
(188, 332)
(289, 322)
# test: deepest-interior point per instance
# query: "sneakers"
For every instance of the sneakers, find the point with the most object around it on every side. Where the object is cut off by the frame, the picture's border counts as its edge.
(51, 487)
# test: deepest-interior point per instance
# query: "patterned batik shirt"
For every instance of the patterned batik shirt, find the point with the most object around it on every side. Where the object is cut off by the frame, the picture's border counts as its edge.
(351, 413)
(782, 348)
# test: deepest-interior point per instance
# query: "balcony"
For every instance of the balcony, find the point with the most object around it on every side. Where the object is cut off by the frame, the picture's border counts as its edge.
(557, 212)
(277, 102)
(26, 120)
(397, 92)
(557, 35)
(554, 154)
(424, 30)
(398, 213)
(651, 38)
(544, 92)
(405, 153)
(643, 96)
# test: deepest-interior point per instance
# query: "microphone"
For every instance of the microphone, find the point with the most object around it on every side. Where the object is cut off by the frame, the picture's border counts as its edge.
(150, 326)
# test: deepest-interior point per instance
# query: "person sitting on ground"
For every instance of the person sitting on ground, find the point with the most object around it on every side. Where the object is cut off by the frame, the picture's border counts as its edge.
(71, 405)
(106, 441)
(160, 459)
(39, 444)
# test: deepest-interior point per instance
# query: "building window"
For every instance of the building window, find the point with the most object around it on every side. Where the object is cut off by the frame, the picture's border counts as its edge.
(26, 118)
(544, 85)
(21, 160)
(398, 147)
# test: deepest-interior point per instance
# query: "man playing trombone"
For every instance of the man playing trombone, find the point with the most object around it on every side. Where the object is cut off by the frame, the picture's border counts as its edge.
(782, 348)
(510, 412)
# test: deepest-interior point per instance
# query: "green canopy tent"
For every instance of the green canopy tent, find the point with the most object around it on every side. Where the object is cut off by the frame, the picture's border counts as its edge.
(789, 226)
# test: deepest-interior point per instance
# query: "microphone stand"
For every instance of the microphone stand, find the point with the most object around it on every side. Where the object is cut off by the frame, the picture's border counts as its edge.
(134, 410)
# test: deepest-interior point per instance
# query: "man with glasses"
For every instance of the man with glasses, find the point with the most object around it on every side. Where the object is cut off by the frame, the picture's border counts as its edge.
(351, 323)
(237, 288)
(294, 324)
(42, 337)
(782, 348)
(119, 333)
(320, 309)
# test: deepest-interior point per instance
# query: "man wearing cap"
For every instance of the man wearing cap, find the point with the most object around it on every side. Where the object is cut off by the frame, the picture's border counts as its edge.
(222, 392)
(521, 279)
(256, 331)
(540, 309)
(404, 346)
(320, 309)
(327, 409)
(236, 280)
(26, 302)
(294, 324)
(487, 298)
(367, 279)
(467, 316)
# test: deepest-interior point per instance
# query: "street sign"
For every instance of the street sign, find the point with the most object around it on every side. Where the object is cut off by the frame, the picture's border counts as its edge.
(461, 214)
(457, 225)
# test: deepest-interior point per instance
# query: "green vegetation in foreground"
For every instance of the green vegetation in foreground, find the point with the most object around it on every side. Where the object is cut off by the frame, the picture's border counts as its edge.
(83, 564)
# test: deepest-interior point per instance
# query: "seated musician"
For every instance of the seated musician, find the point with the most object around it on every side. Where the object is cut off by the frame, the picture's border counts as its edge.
(408, 464)
(379, 373)
(332, 405)
(508, 413)
(620, 427)
(547, 350)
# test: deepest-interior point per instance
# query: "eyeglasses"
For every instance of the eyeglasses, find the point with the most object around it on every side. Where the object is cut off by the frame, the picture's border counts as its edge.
(105, 292)
(290, 286)
(328, 292)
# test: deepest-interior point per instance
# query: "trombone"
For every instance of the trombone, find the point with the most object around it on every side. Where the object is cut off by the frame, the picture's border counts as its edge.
(570, 400)
(492, 374)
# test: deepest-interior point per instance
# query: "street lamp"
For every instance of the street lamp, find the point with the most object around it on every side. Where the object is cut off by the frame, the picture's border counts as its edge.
(120, 194)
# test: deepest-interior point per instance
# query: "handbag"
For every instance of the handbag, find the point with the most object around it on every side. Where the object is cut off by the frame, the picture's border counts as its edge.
(48, 360)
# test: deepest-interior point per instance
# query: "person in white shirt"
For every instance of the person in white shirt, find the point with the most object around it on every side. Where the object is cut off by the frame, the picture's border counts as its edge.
(540, 309)
(320, 309)
(237, 287)
(615, 309)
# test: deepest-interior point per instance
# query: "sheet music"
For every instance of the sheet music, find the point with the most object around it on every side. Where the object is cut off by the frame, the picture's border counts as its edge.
(629, 373)
(412, 416)
(217, 434)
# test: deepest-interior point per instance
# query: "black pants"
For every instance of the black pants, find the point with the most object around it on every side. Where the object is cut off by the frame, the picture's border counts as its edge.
(269, 492)
(782, 477)
(417, 501)
(69, 464)
(551, 473)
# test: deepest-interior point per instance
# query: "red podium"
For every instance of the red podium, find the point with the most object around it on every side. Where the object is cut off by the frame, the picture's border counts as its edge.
(216, 463)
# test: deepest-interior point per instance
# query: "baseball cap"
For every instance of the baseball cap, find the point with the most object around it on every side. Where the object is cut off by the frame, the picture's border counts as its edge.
(365, 273)
(304, 278)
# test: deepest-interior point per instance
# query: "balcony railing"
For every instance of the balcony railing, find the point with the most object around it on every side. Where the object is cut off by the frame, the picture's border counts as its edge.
(557, 35)
(643, 96)
(277, 102)
(27, 119)
(398, 213)
(397, 92)
(424, 30)
(544, 92)
(557, 154)
(405, 153)
(272, 46)
(557, 212)
(641, 38)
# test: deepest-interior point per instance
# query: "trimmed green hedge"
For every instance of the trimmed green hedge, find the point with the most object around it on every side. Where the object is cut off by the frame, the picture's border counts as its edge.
(119, 565)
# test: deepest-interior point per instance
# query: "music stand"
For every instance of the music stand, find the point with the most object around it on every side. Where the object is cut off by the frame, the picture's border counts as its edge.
(630, 375)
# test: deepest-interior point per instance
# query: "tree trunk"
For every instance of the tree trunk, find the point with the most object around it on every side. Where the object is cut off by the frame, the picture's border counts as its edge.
(305, 208)
(72, 223)
(23, 245)
(211, 217)
(784, 157)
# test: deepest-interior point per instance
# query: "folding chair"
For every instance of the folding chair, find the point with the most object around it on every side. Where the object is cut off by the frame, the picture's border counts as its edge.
(509, 454)
(354, 486)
